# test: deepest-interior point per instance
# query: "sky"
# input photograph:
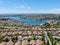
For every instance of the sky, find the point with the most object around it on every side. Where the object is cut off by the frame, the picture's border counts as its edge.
(29, 6)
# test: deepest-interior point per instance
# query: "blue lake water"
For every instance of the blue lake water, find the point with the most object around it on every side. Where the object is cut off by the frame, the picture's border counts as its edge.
(28, 21)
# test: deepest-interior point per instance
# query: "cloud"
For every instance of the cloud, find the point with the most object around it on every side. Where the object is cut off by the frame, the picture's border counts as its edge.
(23, 7)
(55, 11)
(51, 11)
(28, 9)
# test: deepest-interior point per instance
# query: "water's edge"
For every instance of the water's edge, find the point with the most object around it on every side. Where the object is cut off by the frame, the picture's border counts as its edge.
(28, 21)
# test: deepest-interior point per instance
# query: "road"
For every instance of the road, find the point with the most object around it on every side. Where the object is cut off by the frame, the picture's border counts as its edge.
(47, 38)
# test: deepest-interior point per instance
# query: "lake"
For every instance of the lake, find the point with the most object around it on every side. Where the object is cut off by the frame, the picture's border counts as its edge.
(28, 21)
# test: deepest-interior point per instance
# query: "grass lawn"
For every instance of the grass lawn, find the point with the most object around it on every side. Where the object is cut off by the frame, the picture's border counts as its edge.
(58, 26)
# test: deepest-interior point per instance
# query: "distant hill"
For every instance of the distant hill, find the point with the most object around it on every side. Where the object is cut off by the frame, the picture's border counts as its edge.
(35, 16)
